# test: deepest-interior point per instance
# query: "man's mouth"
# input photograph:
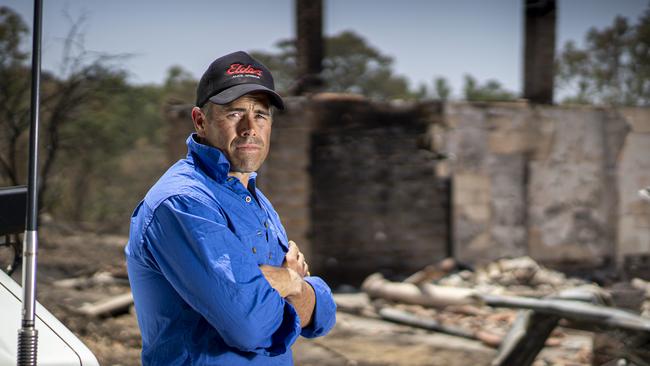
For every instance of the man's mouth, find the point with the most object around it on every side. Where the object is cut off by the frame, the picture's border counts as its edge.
(248, 147)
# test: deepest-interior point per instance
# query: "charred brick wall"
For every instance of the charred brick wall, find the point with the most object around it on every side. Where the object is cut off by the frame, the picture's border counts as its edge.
(376, 204)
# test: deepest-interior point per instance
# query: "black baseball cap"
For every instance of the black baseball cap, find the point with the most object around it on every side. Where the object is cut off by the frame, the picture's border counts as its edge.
(233, 75)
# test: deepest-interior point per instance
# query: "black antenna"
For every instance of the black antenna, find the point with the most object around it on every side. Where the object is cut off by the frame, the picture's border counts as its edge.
(27, 334)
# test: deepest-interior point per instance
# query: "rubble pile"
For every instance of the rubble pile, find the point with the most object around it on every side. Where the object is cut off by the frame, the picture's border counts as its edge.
(518, 276)
(502, 304)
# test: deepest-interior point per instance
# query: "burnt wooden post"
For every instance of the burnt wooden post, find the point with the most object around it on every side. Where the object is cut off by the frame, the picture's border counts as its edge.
(309, 45)
(526, 339)
(539, 50)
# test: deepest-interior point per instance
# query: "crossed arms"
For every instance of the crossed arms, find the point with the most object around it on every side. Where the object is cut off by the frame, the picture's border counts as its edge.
(288, 281)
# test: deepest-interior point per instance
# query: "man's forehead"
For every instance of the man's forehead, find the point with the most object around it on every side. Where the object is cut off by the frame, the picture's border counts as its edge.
(260, 99)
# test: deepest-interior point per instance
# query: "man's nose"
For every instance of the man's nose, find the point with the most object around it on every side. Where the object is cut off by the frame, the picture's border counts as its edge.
(246, 126)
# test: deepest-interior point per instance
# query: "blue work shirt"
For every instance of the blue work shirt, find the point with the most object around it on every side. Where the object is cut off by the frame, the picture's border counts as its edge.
(195, 246)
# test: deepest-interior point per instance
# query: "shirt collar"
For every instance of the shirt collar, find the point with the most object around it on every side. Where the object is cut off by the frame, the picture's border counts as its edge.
(212, 160)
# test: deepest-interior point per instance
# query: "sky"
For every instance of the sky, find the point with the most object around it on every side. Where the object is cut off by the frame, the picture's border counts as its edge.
(426, 38)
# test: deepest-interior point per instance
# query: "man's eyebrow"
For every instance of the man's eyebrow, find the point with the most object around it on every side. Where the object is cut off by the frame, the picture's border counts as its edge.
(233, 109)
(263, 111)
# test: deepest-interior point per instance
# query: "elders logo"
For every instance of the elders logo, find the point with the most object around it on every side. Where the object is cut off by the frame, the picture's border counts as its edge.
(236, 69)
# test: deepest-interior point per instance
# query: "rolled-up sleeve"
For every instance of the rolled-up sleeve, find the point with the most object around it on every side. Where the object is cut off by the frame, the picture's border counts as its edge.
(209, 268)
(324, 315)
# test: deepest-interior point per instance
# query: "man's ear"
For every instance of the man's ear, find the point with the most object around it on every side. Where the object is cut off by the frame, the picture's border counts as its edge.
(200, 120)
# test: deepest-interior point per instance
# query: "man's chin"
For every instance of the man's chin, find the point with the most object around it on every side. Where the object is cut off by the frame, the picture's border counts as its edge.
(245, 164)
(244, 168)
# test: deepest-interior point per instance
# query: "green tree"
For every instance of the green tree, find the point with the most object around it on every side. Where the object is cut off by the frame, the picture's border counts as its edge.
(612, 69)
(89, 117)
(421, 92)
(491, 91)
(179, 86)
(119, 118)
(441, 89)
(350, 65)
(14, 93)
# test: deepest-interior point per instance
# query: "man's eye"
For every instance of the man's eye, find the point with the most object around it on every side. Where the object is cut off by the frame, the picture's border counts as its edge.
(261, 116)
(236, 115)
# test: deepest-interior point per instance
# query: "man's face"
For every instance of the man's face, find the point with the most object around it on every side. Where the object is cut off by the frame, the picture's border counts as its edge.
(241, 130)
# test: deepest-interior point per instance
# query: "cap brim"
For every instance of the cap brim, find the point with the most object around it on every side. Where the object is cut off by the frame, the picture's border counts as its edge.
(237, 91)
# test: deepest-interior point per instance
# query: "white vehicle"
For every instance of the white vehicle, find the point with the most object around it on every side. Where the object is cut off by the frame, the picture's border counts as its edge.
(57, 345)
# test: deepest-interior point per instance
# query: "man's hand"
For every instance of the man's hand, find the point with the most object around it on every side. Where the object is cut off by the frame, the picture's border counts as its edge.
(284, 280)
(295, 260)
(288, 281)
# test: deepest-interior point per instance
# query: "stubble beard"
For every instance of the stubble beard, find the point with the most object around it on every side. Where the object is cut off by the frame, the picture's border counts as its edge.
(245, 165)
(246, 162)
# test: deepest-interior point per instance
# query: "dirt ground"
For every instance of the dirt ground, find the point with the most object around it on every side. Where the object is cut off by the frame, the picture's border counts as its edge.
(80, 268)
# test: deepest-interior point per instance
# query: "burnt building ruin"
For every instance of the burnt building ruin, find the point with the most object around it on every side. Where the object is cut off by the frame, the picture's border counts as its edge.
(367, 186)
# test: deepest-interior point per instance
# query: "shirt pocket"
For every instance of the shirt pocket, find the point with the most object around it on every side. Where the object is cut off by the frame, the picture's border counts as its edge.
(277, 236)
(278, 246)
(255, 243)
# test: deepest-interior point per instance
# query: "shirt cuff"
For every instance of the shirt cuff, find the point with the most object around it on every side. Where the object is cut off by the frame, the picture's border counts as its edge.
(324, 316)
(286, 335)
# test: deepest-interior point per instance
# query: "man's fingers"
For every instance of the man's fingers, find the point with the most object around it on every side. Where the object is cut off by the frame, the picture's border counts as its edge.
(293, 250)
(295, 260)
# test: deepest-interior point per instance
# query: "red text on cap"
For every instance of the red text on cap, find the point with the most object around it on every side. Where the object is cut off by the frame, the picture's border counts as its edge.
(243, 69)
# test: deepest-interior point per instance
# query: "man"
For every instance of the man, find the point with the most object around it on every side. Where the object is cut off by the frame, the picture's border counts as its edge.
(214, 278)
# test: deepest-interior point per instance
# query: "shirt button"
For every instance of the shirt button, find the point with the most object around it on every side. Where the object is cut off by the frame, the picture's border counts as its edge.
(270, 255)
(266, 224)
(254, 250)
(248, 199)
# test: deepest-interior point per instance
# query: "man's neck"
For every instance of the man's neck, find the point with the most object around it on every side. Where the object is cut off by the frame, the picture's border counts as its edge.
(243, 177)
